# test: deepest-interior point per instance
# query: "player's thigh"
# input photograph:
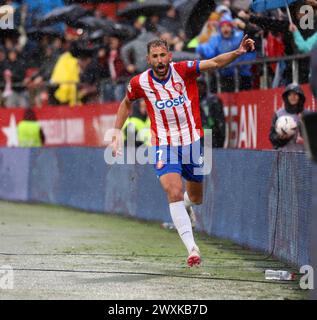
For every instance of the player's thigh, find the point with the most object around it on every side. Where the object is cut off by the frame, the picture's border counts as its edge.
(172, 184)
(195, 191)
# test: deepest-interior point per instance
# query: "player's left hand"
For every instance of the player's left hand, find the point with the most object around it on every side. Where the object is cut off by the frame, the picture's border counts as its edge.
(246, 45)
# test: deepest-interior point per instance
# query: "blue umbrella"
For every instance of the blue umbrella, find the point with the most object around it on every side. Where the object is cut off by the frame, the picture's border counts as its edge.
(266, 5)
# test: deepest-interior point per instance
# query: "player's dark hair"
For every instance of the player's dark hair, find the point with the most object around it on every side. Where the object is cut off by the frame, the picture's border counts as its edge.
(157, 43)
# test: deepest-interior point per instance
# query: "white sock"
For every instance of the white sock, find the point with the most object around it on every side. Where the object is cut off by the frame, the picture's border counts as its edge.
(187, 201)
(182, 224)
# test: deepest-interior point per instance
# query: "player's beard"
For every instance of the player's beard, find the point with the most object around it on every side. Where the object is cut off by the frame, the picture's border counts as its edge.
(161, 69)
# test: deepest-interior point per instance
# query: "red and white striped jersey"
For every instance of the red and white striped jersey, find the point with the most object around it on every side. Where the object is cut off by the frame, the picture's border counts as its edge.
(172, 104)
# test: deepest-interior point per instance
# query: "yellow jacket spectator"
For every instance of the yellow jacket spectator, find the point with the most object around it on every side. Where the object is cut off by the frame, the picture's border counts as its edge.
(66, 73)
(140, 123)
(30, 133)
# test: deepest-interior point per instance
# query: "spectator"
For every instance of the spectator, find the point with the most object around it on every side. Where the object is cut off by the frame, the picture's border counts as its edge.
(115, 90)
(14, 93)
(133, 52)
(66, 77)
(90, 76)
(36, 83)
(303, 45)
(2, 69)
(228, 39)
(212, 114)
(139, 123)
(172, 22)
(294, 100)
(30, 133)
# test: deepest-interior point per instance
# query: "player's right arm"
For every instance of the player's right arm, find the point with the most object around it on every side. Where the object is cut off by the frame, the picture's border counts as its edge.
(122, 115)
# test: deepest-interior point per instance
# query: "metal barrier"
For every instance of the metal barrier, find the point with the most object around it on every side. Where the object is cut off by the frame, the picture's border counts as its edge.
(264, 62)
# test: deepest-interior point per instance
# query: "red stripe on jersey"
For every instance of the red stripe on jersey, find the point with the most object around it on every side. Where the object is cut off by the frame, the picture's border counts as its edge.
(158, 97)
(176, 116)
(151, 113)
(190, 127)
(193, 94)
(154, 137)
(189, 75)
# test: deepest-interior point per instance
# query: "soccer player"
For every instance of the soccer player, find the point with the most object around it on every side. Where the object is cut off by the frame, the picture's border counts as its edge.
(171, 95)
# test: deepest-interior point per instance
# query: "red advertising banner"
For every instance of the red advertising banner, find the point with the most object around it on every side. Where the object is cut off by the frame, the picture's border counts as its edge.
(248, 115)
(63, 126)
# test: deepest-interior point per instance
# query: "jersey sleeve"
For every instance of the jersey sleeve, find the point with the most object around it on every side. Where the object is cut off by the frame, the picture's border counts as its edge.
(134, 90)
(188, 68)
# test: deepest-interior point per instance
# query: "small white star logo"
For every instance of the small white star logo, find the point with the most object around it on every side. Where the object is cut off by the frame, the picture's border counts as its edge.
(11, 132)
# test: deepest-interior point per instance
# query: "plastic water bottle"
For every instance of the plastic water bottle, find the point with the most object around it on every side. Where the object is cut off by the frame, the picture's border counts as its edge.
(278, 275)
(168, 225)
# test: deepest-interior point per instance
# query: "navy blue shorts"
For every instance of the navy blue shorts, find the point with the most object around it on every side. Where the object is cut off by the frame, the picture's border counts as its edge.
(185, 160)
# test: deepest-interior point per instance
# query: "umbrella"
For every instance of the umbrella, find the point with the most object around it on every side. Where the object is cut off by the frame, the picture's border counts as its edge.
(194, 14)
(37, 32)
(265, 5)
(118, 30)
(91, 23)
(146, 8)
(64, 14)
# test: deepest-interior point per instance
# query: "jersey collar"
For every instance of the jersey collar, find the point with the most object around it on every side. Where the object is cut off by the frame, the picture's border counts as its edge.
(163, 82)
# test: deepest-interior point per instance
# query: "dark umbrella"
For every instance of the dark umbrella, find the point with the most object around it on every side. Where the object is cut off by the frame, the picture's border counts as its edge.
(118, 30)
(123, 31)
(194, 14)
(92, 23)
(64, 14)
(146, 8)
(36, 32)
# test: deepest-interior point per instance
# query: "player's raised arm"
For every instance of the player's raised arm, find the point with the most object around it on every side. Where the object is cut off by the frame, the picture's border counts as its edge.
(222, 60)
(122, 116)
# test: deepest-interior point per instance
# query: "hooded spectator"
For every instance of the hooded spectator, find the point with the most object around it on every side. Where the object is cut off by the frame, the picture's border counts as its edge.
(294, 100)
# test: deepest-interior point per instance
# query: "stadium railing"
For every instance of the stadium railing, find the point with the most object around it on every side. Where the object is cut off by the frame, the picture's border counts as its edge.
(264, 64)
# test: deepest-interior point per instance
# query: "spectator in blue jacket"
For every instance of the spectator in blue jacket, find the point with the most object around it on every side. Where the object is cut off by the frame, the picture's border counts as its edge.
(303, 45)
(227, 39)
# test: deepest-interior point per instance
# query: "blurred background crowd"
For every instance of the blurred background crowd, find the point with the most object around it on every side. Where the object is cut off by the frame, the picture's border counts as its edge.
(68, 52)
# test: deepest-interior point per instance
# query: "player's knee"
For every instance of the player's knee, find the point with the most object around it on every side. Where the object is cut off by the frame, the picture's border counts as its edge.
(174, 194)
(197, 199)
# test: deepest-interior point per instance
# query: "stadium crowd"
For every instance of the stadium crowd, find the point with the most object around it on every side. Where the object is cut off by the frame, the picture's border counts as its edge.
(70, 64)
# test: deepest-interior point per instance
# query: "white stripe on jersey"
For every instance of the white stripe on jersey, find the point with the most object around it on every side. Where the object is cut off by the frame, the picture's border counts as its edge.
(170, 116)
(184, 126)
(161, 132)
(178, 78)
(181, 116)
